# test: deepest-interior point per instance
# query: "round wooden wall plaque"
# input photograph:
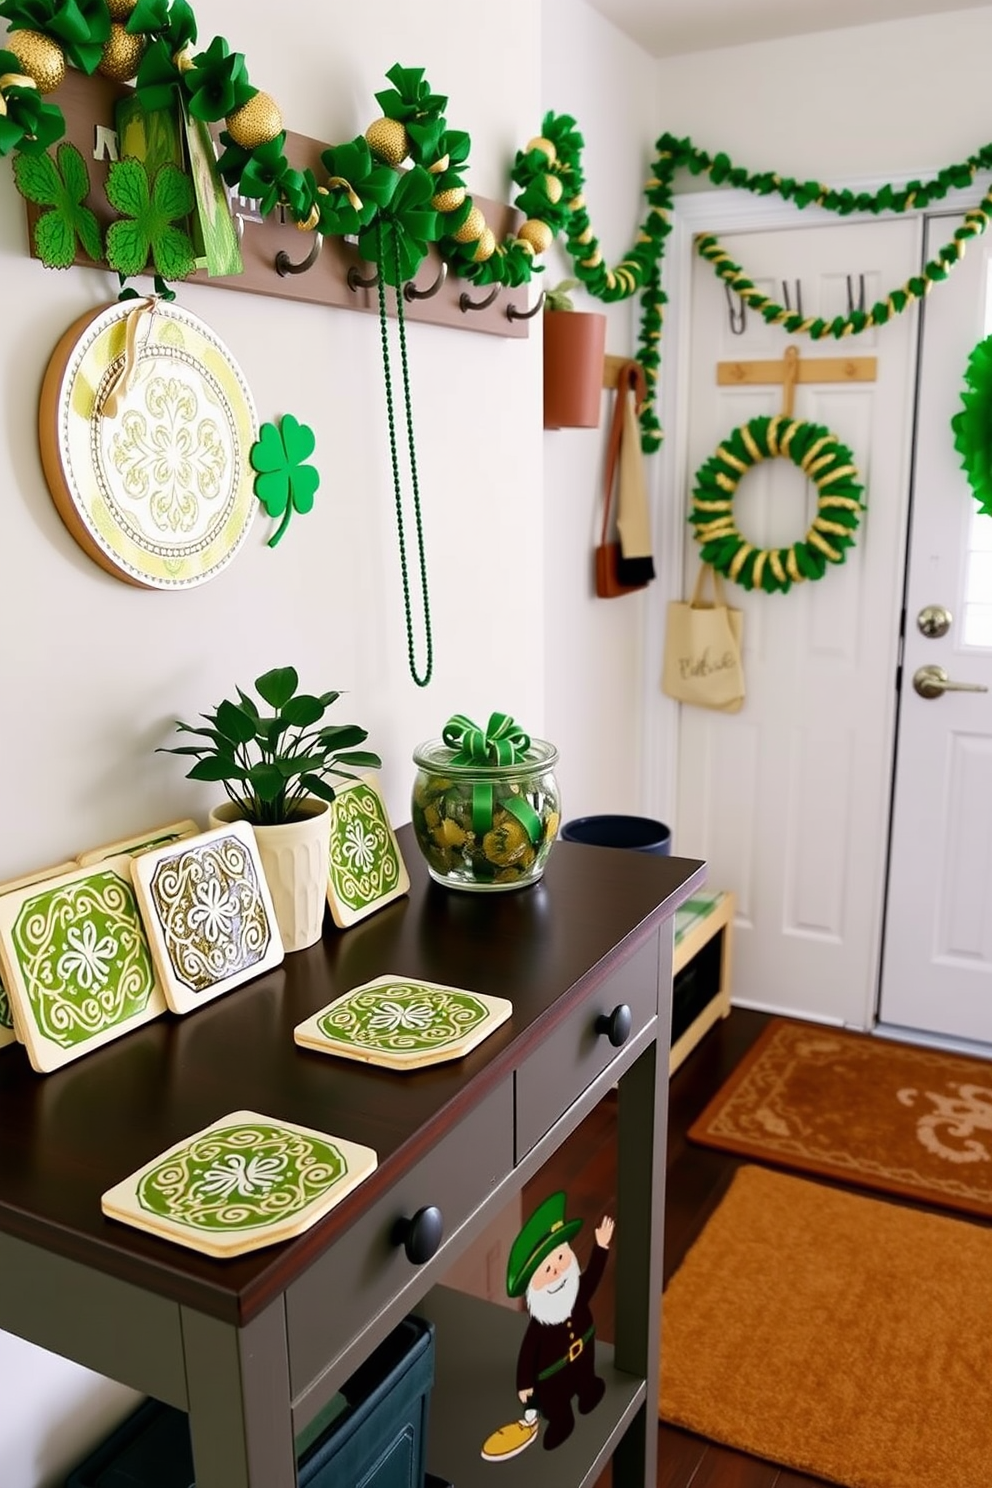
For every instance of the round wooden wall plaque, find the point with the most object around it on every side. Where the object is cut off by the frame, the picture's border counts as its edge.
(145, 426)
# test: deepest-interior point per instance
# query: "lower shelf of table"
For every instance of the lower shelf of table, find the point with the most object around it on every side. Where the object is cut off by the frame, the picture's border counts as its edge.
(475, 1392)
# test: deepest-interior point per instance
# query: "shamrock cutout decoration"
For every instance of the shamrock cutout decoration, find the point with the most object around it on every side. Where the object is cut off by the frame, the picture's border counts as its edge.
(284, 483)
(398, 240)
(62, 188)
(148, 210)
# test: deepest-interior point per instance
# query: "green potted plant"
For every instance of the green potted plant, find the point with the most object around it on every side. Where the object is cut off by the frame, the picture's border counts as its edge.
(274, 767)
(574, 348)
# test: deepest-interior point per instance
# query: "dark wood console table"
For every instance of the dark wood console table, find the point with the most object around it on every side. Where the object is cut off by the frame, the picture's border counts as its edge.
(254, 1347)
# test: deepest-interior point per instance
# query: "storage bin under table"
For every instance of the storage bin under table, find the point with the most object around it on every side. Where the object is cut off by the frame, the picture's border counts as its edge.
(373, 1432)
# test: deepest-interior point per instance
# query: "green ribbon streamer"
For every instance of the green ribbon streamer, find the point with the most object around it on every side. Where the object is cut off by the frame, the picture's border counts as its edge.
(502, 742)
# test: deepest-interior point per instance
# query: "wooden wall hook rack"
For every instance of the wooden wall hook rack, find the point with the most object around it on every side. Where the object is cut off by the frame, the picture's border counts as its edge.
(275, 252)
(812, 369)
(611, 368)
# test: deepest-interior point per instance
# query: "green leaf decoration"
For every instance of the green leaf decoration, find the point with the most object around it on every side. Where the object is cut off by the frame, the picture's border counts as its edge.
(28, 124)
(217, 83)
(147, 214)
(158, 76)
(972, 425)
(79, 26)
(353, 173)
(174, 21)
(265, 174)
(410, 96)
(284, 483)
(62, 187)
(399, 240)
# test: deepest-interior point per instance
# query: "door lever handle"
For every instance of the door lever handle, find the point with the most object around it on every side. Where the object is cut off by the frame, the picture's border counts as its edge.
(933, 682)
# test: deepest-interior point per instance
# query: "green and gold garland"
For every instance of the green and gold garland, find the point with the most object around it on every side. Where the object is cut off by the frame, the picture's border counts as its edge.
(396, 214)
(822, 459)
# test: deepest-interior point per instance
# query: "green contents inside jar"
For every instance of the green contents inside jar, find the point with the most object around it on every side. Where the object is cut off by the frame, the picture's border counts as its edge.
(485, 826)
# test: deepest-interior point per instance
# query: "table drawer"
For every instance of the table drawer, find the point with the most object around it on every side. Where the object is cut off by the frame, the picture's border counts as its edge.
(556, 1074)
(366, 1268)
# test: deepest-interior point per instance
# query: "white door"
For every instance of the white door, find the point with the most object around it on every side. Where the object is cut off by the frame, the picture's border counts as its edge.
(937, 962)
(788, 800)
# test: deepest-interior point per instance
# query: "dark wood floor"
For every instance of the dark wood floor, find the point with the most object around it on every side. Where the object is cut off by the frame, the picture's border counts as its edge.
(697, 1179)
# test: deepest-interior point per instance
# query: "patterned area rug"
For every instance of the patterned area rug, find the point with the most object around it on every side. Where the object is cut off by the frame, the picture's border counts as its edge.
(836, 1334)
(882, 1115)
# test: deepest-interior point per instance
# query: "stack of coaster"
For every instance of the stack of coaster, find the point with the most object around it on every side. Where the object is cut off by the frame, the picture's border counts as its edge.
(244, 1182)
(403, 1024)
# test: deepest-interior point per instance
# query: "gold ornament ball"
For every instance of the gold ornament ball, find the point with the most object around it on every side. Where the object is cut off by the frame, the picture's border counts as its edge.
(41, 59)
(122, 54)
(473, 227)
(255, 122)
(447, 201)
(554, 188)
(545, 146)
(120, 9)
(485, 247)
(388, 140)
(537, 233)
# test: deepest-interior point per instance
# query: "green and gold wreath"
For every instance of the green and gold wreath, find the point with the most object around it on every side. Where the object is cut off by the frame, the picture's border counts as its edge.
(972, 425)
(822, 458)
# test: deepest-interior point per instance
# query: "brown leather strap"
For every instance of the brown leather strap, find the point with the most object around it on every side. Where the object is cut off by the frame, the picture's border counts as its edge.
(630, 377)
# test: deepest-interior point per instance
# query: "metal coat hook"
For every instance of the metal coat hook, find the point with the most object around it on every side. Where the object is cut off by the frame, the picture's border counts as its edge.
(799, 297)
(512, 313)
(860, 306)
(356, 282)
(465, 303)
(285, 265)
(738, 317)
(411, 292)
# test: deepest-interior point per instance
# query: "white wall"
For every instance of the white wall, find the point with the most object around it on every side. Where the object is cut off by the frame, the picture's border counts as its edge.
(870, 101)
(94, 671)
(594, 677)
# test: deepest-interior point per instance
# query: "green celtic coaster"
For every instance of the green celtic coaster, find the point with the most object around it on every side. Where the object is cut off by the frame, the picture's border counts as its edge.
(365, 869)
(8, 1029)
(241, 1183)
(208, 914)
(403, 1024)
(76, 964)
(142, 843)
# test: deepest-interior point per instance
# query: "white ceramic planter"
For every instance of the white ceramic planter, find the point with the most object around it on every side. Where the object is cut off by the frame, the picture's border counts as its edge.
(295, 859)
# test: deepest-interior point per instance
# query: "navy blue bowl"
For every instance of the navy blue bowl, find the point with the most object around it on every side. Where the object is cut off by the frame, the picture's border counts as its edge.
(637, 832)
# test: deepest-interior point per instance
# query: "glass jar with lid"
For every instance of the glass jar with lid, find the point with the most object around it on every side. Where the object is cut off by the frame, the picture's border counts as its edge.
(482, 825)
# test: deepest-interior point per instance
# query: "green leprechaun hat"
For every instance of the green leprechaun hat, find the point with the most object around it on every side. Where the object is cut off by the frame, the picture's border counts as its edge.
(546, 1229)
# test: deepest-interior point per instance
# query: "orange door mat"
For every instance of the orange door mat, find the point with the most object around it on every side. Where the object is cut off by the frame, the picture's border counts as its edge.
(841, 1336)
(867, 1111)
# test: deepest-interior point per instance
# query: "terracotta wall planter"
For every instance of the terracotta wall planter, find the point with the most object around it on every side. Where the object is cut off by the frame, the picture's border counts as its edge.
(574, 348)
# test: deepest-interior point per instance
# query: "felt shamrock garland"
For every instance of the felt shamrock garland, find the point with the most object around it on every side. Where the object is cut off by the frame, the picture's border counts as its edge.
(972, 425)
(822, 458)
(285, 482)
(397, 215)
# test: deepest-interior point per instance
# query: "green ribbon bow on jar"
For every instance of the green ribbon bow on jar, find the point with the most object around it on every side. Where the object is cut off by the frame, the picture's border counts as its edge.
(503, 742)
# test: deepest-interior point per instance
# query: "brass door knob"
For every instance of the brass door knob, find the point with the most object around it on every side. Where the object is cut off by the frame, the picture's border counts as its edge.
(933, 682)
(934, 621)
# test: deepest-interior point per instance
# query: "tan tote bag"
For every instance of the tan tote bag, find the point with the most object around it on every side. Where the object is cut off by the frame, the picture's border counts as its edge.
(702, 662)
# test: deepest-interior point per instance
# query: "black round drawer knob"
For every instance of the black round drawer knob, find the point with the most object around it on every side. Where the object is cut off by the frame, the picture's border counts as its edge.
(420, 1236)
(615, 1025)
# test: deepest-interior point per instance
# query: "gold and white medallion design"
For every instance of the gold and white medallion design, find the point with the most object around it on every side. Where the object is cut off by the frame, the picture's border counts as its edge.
(145, 426)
